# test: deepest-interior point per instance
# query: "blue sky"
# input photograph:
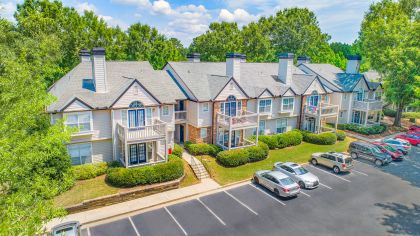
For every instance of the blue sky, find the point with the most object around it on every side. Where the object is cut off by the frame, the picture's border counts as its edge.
(186, 19)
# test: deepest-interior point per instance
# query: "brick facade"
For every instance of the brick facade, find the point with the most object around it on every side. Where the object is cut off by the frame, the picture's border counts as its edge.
(194, 134)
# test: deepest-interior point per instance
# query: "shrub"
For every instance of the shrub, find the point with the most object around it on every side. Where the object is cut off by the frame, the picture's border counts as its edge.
(114, 164)
(270, 140)
(130, 177)
(389, 112)
(341, 135)
(412, 120)
(177, 150)
(89, 171)
(290, 138)
(377, 129)
(237, 157)
(203, 149)
(322, 139)
(411, 115)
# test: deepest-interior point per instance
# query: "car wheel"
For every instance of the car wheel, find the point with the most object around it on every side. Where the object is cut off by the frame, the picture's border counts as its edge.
(301, 184)
(256, 180)
(336, 169)
(354, 155)
(314, 162)
(378, 162)
(276, 191)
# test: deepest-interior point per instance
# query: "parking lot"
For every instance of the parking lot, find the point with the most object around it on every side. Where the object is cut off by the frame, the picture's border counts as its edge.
(367, 201)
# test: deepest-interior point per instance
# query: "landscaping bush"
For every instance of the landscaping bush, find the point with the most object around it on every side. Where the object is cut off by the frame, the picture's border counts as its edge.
(177, 150)
(389, 112)
(237, 157)
(412, 120)
(270, 140)
(290, 138)
(203, 149)
(411, 115)
(130, 177)
(377, 129)
(114, 164)
(341, 135)
(89, 171)
(322, 139)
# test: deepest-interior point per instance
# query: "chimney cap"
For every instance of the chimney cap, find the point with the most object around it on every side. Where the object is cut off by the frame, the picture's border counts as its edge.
(286, 55)
(234, 55)
(243, 56)
(84, 52)
(354, 57)
(98, 51)
(193, 55)
(304, 57)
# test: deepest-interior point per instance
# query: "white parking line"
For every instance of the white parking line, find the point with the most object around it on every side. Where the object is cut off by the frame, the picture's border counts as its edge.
(179, 225)
(360, 172)
(325, 185)
(330, 173)
(214, 214)
(88, 231)
(134, 226)
(243, 204)
(284, 204)
(305, 193)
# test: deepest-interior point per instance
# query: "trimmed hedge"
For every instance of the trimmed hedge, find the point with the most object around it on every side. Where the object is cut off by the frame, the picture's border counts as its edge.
(321, 139)
(287, 139)
(377, 129)
(389, 112)
(411, 115)
(130, 177)
(89, 171)
(341, 135)
(237, 157)
(202, 149)
(177, 150)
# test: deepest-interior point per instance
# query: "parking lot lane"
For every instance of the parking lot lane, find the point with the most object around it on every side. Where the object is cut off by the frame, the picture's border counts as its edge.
(119, 227)
(324, 171)
(196, 219)
(84, 232)
(156, 222)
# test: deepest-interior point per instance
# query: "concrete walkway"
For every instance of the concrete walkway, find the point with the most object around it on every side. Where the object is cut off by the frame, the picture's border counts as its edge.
(123, 208)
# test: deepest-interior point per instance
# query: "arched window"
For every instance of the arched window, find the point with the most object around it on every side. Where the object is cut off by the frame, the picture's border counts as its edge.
(231, 106)
(231, 98)
(314, 92)
(313, 99)
(136, 104)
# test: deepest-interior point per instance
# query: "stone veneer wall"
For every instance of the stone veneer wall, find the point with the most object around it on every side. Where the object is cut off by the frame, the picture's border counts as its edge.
(194, 134)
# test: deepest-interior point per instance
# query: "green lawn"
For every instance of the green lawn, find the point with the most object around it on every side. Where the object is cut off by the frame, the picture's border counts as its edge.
(298, 154)
(97, 187)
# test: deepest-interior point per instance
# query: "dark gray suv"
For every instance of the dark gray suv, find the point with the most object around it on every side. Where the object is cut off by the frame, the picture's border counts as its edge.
(369, 152)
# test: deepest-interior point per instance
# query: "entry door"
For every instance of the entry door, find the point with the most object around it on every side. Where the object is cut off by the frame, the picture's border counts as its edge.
(137, 153)
(356, 117)
(181, 133)
(311, 124)
(136, 118)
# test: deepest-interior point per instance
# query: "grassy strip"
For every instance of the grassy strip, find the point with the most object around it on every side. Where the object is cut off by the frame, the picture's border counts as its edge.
(298, 154)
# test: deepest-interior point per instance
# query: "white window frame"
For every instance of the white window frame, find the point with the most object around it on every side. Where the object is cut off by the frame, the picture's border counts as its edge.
(205, 107)
(263, 109)
(280, 122)
(165, 110)
(376, 95)
(292, 103)
(79, 156)
(203, 134)
(78, 121)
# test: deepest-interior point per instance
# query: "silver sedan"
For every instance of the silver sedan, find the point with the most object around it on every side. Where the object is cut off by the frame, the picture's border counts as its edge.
(300, 175)
(277, 182)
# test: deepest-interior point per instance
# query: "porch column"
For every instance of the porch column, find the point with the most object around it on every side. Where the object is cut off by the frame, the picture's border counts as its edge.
(230, 133)
(258, 126)
(336, 123)
(125, 146)
(366, 117)
(166, 150)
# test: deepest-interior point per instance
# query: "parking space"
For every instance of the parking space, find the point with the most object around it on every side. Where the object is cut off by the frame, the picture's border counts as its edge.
(367, 201)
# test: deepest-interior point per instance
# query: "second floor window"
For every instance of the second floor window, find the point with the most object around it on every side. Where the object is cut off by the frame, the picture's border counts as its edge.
(378, 96)
(265, 106)
(203, 133)
(81, 120)
(165, 110)
(205, 107)
(288, 104)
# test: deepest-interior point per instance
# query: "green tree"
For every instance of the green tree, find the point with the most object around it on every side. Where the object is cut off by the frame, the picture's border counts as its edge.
(390, 41)
(256, 42)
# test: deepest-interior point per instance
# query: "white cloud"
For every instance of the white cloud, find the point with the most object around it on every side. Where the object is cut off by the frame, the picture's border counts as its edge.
(163, 7)
(239, 15)
(7, 9)
(138, 3)
(85, 6)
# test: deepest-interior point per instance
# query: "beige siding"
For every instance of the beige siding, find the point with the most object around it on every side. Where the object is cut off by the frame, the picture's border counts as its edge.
(288, 94)
(102, 151)
(135, 93)
(315, 85)
(266, 94)
(102, 125)
(76, 106)
(192, 113)
(170, 118)
(204, 118)
(231, 89)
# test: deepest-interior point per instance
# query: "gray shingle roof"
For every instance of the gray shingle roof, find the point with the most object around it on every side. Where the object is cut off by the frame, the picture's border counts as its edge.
(120, 75)
(206, 79)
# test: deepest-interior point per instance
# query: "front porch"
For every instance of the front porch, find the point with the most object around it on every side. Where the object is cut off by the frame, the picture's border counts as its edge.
(317, 118)
(366, 118)
(233, 139)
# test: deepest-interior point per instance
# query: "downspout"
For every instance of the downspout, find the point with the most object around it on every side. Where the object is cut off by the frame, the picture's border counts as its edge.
(212, 122)
(301, 111)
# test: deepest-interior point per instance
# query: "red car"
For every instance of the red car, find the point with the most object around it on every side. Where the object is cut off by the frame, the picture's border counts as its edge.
(385, 148)
(415, 133)
(415, 128)
(412, 139)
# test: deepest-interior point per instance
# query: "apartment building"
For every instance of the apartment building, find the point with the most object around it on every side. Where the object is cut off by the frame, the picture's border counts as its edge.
(230, 101)
(122, 110)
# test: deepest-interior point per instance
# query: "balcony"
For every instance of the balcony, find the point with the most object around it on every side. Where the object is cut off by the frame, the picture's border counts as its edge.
(242, 144)
(180, 116)
(144, 133)
(322, 109)
(244, 120)
(367, 105)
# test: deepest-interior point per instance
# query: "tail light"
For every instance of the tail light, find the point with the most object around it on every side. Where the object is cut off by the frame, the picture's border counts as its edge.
(343, 165)
(285, 190)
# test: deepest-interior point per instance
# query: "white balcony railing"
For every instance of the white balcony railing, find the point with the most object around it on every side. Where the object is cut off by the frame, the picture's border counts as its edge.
(323, 109)
(243, 120)
(242, 144)
(148, 132)
(180, 115)
(368, 105)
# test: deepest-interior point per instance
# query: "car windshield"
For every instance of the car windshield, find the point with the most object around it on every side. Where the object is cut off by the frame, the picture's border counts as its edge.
(376, 150)
(389, 148)
(286, 181)
(300, 171)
